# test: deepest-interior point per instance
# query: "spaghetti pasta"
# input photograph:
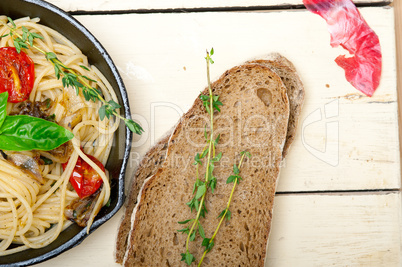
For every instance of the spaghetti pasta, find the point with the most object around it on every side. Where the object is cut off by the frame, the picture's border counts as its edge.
(32, 212)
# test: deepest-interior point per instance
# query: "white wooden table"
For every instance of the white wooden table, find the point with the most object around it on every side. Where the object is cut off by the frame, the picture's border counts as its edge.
(338, 201)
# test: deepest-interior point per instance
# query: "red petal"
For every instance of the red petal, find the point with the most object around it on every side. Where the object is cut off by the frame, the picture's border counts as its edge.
(349, 29)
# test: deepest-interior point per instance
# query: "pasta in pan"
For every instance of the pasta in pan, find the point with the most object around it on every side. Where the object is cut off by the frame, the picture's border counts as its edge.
(33, 210)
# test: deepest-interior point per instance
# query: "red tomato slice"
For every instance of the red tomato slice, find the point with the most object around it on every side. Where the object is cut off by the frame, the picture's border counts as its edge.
(17, 74)
(84, 178)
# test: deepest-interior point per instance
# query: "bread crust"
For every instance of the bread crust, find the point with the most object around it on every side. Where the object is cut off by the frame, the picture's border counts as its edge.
(294, 89)
(149, 164)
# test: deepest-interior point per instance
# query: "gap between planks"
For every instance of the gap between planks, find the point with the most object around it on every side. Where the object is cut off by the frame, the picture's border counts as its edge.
(342, 192)
(213, 9)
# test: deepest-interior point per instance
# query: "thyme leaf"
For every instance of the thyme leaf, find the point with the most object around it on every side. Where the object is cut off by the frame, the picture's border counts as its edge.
(187, 257)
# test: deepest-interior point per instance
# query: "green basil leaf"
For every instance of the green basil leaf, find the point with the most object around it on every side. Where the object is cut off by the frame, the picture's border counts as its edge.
(3, 107)
(22, 133)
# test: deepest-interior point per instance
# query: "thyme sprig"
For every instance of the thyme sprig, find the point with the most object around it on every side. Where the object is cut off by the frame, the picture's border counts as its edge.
(208, 154)
(200, 188)
(69, 77)
(208, 243)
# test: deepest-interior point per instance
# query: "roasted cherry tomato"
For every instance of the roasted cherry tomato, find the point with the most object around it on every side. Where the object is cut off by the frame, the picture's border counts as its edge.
(84, 178)
(17, 74)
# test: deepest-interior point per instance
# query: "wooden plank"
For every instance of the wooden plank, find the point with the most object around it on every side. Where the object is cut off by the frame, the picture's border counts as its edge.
(124, 5)
(336, 230)
(163, 69)
(308, 230)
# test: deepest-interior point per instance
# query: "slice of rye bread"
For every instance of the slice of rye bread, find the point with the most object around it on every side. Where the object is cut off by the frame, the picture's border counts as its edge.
(149, 164)
(254, 118)
(294, 89)
(154, 158)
